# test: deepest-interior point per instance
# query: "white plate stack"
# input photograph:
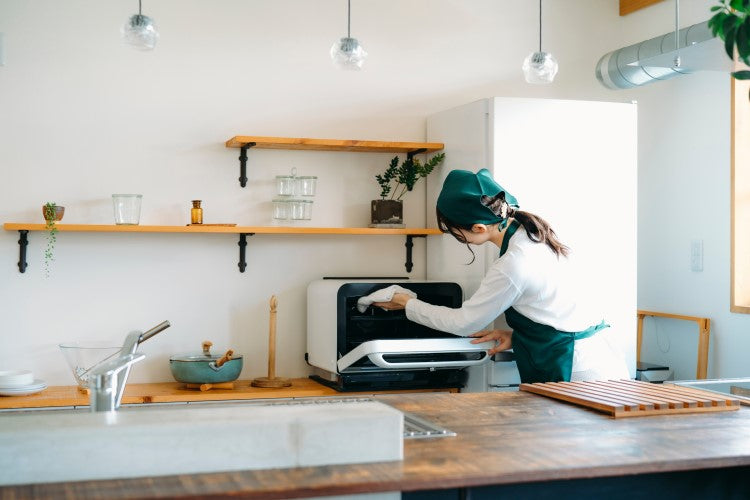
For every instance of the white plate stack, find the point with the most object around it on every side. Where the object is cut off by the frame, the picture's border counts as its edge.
(19, 383)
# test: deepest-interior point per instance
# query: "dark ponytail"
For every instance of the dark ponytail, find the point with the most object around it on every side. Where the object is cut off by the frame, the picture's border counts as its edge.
(537, 229)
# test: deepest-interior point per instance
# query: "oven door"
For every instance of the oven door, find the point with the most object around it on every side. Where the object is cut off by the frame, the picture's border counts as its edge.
(427, 353)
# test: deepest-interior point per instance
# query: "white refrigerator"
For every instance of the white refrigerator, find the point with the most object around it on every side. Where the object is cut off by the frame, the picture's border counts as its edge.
(574, 163)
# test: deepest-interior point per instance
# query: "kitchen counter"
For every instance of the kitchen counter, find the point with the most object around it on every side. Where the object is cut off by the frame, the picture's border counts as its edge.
(507, 443)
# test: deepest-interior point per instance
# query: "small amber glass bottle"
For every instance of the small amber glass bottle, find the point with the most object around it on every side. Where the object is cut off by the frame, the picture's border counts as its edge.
(196, 213)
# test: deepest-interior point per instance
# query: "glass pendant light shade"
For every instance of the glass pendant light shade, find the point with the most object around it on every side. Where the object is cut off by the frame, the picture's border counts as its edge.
(140, 31)
(539, 67)
(347, 53)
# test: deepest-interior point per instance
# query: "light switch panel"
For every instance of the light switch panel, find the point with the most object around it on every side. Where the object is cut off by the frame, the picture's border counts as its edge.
(696, 255)
(2, 49)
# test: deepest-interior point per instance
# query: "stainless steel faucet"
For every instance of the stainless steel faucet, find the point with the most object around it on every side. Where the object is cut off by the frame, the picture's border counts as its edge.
(108, 379)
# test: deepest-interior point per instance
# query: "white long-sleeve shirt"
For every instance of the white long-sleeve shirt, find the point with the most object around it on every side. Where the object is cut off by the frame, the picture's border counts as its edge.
(538, 284)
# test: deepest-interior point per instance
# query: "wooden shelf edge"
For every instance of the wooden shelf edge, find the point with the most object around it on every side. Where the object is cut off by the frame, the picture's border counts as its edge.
(630, 6)
(302, 143)
(104, 228)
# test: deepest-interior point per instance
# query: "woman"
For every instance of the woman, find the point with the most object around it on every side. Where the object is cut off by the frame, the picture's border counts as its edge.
(554, 336)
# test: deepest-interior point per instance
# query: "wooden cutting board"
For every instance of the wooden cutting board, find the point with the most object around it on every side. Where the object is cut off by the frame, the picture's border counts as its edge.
(634, 398)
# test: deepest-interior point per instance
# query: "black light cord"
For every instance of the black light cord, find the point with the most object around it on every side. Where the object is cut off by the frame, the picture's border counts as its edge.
(540, 25)
(348, 19)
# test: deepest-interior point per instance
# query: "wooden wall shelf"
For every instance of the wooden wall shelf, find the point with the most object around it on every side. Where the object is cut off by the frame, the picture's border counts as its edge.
(240, 141)
(630, 6)
(243, 232)
(243, 142)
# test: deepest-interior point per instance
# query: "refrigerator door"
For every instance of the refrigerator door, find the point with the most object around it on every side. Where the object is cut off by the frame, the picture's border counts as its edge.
(574, 163)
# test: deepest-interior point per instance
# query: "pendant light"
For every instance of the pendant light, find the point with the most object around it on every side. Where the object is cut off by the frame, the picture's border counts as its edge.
(347, 53)
(540, 67)
(140, 31)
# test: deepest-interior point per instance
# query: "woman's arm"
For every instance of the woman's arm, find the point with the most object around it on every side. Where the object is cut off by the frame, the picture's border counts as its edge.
(495, 294)
(398, 302)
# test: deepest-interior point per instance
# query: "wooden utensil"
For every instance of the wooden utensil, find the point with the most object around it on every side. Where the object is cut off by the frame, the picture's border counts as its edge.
(271, 380)
(226, 357)
(205, 387)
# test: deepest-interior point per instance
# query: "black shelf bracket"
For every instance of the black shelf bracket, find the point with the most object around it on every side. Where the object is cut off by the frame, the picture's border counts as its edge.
(411, 154)
(22, 244)
(242, 264)
(243, 163)
(409, 245)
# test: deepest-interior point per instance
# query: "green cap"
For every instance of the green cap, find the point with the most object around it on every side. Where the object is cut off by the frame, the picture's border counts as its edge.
(460, 200)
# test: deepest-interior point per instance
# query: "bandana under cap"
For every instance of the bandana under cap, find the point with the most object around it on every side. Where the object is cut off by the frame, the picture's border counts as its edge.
(460, 199)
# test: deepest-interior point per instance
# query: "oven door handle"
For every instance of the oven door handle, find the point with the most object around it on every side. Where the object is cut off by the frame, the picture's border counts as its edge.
(375, 350)
(378, 360)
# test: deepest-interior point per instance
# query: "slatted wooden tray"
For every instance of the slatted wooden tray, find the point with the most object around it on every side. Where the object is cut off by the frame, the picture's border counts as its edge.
(634, 398)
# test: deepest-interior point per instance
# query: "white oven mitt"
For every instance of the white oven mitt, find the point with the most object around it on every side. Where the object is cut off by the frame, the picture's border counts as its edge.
(382, 295)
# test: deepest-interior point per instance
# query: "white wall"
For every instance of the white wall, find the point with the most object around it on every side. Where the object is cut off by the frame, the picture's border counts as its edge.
(82, 117)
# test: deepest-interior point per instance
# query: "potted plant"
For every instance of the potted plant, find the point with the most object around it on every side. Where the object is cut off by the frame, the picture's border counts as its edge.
(395, 182)
(731, 23)
(52, 213)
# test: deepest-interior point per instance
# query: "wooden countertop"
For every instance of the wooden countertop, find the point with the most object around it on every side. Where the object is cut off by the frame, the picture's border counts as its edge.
(502, 439)
(173, 392)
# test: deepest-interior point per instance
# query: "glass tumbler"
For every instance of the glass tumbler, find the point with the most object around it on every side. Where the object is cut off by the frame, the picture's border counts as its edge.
(306, 185)
(127, 208)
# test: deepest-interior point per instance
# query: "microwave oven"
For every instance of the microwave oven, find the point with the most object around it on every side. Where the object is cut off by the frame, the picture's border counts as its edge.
(378, 349)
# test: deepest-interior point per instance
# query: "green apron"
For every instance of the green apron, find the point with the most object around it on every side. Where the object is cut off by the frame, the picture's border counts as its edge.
(543, 353)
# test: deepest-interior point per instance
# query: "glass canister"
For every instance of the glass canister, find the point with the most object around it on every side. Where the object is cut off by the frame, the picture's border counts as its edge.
(301, 209)
(281, 208)
(306, 185)
(285, 185)
(127, 208)
(308, 209)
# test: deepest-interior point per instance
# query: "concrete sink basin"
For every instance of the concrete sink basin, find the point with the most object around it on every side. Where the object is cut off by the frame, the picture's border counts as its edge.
(54, 446)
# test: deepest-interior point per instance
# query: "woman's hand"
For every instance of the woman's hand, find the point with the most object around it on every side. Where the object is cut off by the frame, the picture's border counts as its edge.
(502, 339)
(398, 302)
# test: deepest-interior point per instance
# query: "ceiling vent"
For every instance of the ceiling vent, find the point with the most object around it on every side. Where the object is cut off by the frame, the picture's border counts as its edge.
(654, 59)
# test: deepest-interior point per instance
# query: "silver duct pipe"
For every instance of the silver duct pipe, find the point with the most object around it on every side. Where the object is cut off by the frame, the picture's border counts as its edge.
(633, 66)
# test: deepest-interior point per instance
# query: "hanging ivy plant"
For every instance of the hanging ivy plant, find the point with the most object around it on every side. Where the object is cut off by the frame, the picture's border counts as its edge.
(731, 23)
(50, 210)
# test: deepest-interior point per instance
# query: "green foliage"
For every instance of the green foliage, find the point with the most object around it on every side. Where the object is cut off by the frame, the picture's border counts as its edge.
(50, 210)
(385, 180)
(731, 23)
(397, 179)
